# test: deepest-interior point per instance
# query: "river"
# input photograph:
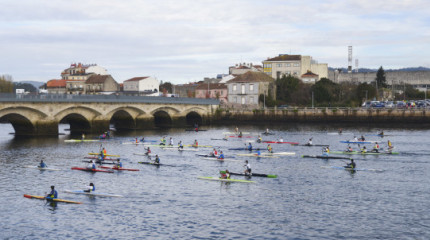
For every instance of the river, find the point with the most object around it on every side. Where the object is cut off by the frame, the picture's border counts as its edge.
(170, 202)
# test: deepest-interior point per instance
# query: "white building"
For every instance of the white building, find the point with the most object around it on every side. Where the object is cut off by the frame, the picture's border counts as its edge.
(148, 86)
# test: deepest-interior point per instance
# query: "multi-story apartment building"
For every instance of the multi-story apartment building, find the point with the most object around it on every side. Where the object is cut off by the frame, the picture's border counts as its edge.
(212, 90)
(294, 65)
(77, 74)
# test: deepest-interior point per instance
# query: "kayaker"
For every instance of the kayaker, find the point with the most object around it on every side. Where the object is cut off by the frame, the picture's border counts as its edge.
(225, 138)
(355, 139)
(269, 148)
(215, 152)
(390, 146)
(376, 148)
(180, 146)
(90, 188)
(247, 168)
(381, 133)
(104, 152)
(157, 160)
(83, 136)
(267, 131)
(326, 151)
(240, 134)
(142, 139)
(118, 163)
(148, 151)
(196, 144)
(171, 141)
(258, 153)
(309, 142)
(91, 165)
(259, 139)
(53, 194)
(196, 127)
(225, 174)
(221, 155)
(340, 131)
(362, 138)
(351, 164)
(136, 140)
(364, 149)
(163, 141)
(108, 134)
(236, 129)
(349, 148)
(42, 164)
(249, 147)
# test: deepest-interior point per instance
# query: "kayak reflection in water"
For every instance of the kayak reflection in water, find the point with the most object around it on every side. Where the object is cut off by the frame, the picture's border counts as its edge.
(53, 194)
(90, 188)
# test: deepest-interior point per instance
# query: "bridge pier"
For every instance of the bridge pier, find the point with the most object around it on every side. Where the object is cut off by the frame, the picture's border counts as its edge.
(145, 122)
(99, 126)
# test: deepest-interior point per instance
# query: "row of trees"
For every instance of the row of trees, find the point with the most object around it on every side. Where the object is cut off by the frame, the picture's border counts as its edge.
(292, 91)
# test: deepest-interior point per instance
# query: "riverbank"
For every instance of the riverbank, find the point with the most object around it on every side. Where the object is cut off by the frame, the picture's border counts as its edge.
(327, 115)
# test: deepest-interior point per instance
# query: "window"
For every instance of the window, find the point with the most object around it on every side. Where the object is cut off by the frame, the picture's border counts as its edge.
(279, 65)
(288, 64)
(296, 64)
(235, 99)
(251, 87)
(243, 100)
(243, 88)
(288, 73)
(296, 73)
(251, 100)
(234, 87)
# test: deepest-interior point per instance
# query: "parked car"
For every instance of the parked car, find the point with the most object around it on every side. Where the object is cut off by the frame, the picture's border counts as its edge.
(283, 106)
(400, 104)
(377, 104)
(389, 104)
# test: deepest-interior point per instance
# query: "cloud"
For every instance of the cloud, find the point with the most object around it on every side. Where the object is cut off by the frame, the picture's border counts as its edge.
(189, 40)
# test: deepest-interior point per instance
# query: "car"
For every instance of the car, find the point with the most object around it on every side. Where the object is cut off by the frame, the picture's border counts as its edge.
(400, 104)
(377, 104)
(284, 106)
(389, 104)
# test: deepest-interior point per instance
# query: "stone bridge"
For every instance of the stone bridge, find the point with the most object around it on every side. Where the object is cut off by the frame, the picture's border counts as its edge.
(41, 114)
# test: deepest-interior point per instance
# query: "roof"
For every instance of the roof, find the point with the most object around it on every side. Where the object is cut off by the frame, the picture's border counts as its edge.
(56, 83)
(309, 74)
(97, 79)
(135, 79)
(252, 77)
(204, 86)
(286, 57)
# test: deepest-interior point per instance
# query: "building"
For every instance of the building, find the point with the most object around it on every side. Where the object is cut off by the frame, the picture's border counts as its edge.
(242, 68)
(141, 86)
(81, 71)
(245, 89)
(212, 90)
(309, 77)
(56, 86)
(101, 84)
(294, 65)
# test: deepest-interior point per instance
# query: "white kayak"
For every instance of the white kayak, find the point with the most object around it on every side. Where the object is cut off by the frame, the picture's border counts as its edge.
(225, 179)
(183, 149)
(43, 169)
(236, 133)
(98, 194)
(256, 155)
(220, 160)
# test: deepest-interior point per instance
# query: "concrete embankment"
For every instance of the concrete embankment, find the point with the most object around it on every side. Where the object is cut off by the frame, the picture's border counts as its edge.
(347, 115)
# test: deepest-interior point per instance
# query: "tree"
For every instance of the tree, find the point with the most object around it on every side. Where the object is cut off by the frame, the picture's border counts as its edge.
(26, 86)
(167, 86)
(365, 91)
(380, 79)
(285, 86)
(6, 84)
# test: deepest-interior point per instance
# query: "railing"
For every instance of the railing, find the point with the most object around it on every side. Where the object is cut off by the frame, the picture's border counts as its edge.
(9, 97)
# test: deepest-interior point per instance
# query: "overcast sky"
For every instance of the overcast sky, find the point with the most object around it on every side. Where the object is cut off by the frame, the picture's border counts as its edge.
(183, 41)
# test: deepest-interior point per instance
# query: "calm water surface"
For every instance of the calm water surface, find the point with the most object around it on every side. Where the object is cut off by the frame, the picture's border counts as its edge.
(304, 202)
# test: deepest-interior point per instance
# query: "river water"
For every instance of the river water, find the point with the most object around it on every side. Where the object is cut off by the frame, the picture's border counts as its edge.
(170, 202)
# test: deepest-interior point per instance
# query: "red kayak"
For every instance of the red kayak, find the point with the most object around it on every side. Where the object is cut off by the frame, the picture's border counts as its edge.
(92, 170)
(292, 143)
(120, 169)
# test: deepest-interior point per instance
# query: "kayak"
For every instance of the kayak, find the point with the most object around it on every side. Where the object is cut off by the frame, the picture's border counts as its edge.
(43, 169)
(144, 154)
(156, 164)
(183, 149)
(194, 130)
(253, 175)
(313, 145)
(194, 146)
(352, 169)
(245, 148)
(267, 133)
(235, 133)
(92, 170)
(105, 159)
(366, 153)
(324, 157)
(359, 142)
(50, 199)
(106, 155)
(100, 162)
(98, 194)
(292, 143)
(207, 155)
(120, 169)
(240, 136)
(220, 160)
(256, 155)
(224, 139)
(225, 180)
(80, 140)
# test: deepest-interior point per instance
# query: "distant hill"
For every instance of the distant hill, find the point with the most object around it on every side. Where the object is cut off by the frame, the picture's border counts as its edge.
(362, 70)
(34, 83)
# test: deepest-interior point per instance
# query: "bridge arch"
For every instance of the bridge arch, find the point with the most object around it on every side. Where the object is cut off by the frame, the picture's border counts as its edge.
(162, 119)
(194, 115)
(78, 123)
(124, 117)
(21, 124)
